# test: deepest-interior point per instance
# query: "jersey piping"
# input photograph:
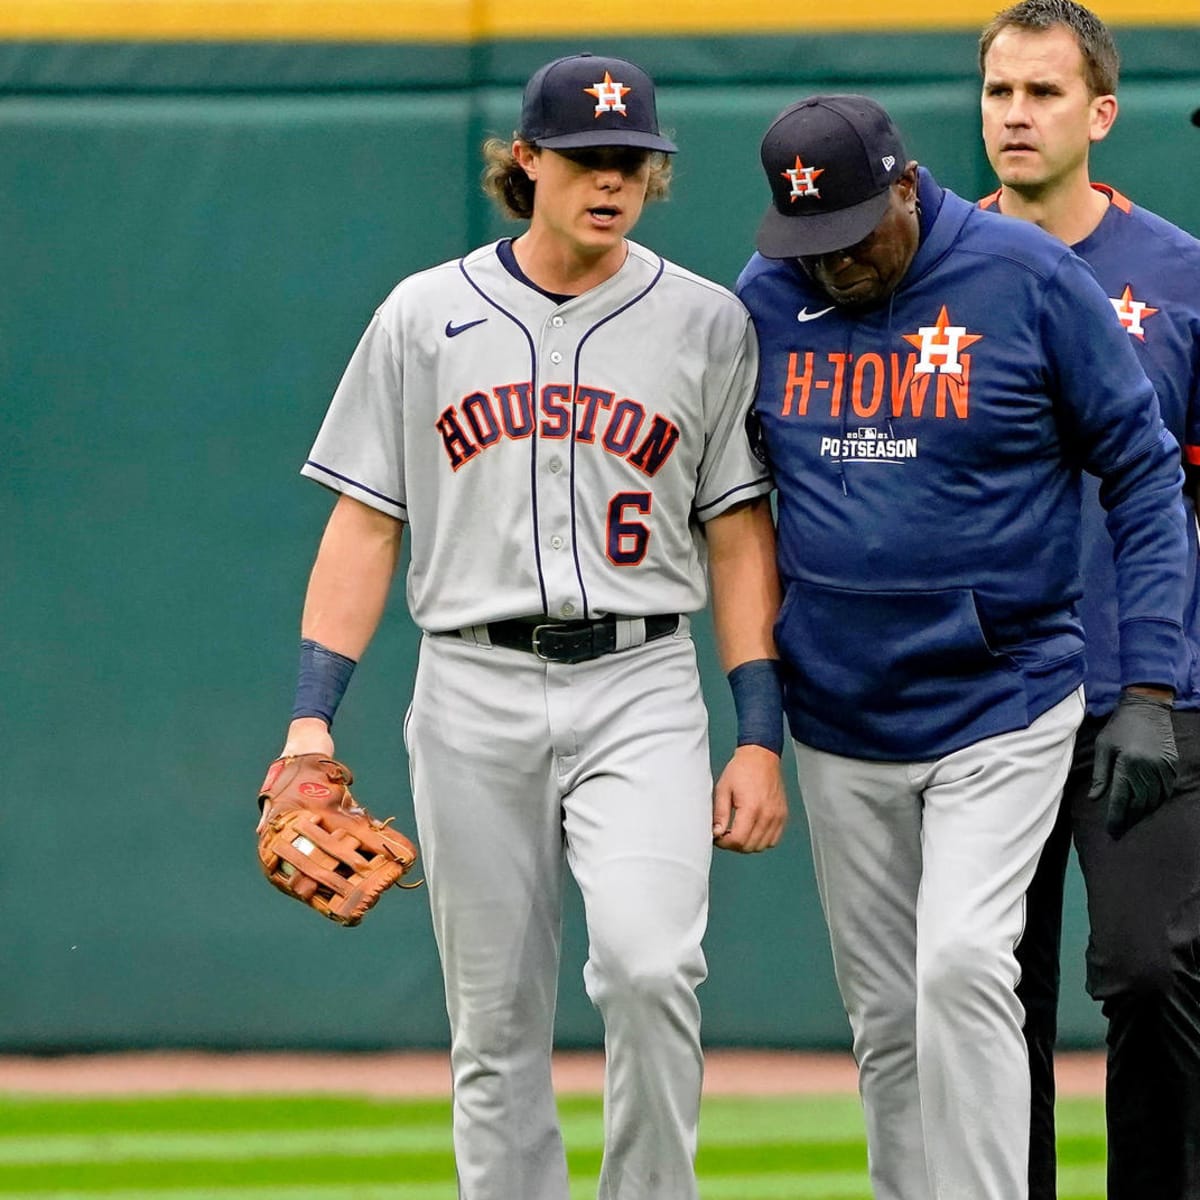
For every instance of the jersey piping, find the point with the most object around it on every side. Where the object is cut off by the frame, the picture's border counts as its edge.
(362, 487)
(533, 483)
(587, 608)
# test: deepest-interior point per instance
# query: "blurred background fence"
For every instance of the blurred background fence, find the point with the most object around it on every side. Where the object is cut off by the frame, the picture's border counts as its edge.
(200, 206)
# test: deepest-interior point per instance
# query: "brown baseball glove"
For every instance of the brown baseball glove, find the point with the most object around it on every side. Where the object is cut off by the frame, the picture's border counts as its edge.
(316, 843)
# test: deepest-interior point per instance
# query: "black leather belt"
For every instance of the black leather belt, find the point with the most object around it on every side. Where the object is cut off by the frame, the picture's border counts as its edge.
(572, 641)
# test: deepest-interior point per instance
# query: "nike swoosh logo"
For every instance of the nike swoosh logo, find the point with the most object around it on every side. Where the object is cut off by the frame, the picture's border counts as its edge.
(453, 330)
(805, 315)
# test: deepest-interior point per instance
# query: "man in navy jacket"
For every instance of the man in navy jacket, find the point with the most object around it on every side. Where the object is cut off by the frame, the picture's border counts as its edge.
(934, 380)
(1050, 70)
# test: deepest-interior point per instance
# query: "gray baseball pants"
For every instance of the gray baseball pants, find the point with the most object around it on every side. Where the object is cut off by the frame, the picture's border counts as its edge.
(522, 769)
(922, 870)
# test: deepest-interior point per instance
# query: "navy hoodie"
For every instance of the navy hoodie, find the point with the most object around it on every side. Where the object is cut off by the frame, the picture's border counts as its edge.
(928, 455)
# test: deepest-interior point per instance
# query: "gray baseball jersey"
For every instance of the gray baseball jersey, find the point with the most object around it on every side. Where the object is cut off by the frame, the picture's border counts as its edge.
(548, 458)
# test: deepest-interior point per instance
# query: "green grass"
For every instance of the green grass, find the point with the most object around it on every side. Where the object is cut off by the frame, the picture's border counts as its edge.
(350, 1148)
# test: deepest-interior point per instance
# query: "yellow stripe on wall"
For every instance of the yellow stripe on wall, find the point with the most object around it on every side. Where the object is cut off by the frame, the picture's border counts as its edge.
(239, 20)
(467, 20)
(506, 20)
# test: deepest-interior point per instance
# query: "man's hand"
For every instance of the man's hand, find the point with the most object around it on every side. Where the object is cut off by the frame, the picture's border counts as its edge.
(308, 735)
(1136, 761)
(749, 802)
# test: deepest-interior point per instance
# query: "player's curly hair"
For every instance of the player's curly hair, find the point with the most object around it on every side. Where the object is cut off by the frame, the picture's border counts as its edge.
(1101, 60)
(505, 181)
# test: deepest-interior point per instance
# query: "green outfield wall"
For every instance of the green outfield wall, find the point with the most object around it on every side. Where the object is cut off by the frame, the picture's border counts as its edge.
(194, 230)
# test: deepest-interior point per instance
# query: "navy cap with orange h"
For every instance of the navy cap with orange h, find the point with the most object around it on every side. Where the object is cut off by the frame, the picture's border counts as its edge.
(830, 161)
(590, 100)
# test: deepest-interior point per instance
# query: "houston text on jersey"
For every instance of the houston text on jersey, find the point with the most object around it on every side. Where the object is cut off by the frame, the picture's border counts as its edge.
(584, 414)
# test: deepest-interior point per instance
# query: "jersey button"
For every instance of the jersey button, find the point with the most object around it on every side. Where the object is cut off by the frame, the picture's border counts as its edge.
(568, 609)
(557, 322)
(555, 357)
(555, 465)
(556, 542)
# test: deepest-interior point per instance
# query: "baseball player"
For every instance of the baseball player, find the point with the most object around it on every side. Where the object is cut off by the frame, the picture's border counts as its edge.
(926, 410)
(1049, 76)
(558, 420)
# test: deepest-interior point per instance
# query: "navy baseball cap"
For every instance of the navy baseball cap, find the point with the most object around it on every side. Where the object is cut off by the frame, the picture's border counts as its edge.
(830, 161)
(589, 100)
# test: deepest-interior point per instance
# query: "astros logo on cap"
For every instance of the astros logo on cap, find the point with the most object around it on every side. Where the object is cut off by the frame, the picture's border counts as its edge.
(940, 345)
(609, 95)
(803, 180)
(1131, 312)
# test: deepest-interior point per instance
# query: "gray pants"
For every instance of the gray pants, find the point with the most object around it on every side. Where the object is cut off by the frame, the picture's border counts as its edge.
(922, 870)
(520, 770)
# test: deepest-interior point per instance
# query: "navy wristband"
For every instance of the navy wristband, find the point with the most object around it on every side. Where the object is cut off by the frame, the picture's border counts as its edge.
(321, 681)
(757, 688)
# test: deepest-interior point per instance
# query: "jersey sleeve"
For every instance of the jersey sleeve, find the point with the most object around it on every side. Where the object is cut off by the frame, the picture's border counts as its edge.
(730, 472)
(1112, 417)
(359, 450)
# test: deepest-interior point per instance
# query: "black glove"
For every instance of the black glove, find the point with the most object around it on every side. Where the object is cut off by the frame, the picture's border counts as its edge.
(1136, 761)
